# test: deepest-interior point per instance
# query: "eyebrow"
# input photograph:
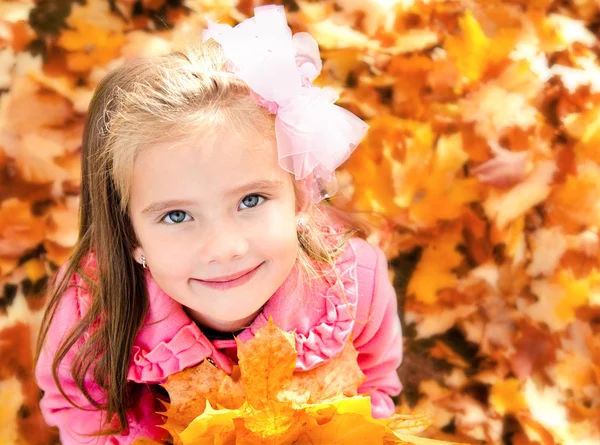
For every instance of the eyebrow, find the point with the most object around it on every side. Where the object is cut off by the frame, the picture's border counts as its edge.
(158, 207)
(257, 186)
(263, 185)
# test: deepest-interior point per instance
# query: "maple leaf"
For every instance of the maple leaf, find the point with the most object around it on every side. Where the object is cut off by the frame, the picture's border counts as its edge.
(63, 224)
(504, 170)
(26, 133)
(585, 128)
(473, 52)
(548, 246)
(12, 396)
(443, 193)
(332, 35)
(434, 270)
(278, 405)
(338, 376)
(575, 204)
(20, 230)
(495, 110)
(95, 37)
(471, 49)
(372, 167)
(576, 292)
(535, 349)
(505, 207)
(42, 110)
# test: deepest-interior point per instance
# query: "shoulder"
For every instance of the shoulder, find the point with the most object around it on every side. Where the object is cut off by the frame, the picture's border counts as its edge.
(366, 255)
(369, 261)
(71, 305)
(375, 291)
(75, 300)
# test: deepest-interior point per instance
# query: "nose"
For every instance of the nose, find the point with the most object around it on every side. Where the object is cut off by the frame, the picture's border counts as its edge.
(221, 242)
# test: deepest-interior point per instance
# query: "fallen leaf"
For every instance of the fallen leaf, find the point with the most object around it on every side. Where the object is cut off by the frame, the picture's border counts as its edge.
(575, 204)
(12, 399)
(275, 408)
(504, 170)
(20, 230)
(435, 268)
(505, 207)
(547, 246)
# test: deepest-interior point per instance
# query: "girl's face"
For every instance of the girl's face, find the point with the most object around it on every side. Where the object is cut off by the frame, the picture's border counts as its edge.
(216, 224)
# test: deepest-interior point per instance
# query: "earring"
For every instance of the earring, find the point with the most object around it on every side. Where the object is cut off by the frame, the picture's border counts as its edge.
(301, 223)
(143, 261)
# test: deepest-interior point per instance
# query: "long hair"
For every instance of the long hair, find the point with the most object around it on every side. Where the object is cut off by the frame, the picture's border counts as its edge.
(140, 104)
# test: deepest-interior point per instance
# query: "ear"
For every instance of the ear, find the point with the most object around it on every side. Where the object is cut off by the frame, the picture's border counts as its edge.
(137, 253)
(302, 198)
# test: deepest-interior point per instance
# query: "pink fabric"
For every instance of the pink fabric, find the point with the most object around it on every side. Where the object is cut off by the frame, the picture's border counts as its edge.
(77, 426)
(323, 323)
(314, 136)
(170, 342)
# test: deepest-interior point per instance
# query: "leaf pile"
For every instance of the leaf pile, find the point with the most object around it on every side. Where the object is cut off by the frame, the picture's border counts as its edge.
(481, 173)
(265, 402)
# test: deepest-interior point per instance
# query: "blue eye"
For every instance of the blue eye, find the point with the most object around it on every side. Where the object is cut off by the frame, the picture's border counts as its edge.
(250, 201)
(176, 217)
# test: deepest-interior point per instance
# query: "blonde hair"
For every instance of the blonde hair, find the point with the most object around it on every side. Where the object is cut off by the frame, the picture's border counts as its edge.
(149, 101)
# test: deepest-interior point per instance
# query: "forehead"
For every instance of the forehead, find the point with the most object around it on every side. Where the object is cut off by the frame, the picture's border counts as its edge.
(225, 148)
(187, 168)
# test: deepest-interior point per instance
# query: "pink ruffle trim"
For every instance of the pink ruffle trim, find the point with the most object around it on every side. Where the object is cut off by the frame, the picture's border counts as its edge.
(187, 348)
(329, 335)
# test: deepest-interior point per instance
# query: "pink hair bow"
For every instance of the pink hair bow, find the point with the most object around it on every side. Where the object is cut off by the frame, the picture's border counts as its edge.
(314, 136)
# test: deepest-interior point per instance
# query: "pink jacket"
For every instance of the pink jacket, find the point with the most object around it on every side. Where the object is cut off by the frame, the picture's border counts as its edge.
(170, 341)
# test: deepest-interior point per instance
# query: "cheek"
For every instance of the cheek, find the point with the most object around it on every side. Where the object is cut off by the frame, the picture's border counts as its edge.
(276, 235)
(166, 255)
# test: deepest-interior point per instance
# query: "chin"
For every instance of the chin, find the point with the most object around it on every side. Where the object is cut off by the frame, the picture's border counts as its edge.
(228, 326)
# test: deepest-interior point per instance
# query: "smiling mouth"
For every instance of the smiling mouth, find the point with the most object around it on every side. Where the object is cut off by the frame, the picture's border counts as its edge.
(227, 282)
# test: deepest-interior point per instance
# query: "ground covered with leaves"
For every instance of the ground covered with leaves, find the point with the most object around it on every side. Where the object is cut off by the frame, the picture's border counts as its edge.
(481, 172)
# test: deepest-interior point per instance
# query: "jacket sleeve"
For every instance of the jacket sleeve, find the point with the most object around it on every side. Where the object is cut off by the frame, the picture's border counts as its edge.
(79, 425)
(377, 333)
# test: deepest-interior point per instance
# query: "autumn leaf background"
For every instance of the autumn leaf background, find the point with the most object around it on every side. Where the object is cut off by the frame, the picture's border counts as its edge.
(481, 174)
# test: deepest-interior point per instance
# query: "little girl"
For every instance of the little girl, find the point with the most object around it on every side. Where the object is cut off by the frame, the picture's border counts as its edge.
(202, 216)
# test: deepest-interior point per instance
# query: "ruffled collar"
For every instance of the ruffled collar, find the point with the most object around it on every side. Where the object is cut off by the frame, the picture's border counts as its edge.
(322, 319)
(323, 322)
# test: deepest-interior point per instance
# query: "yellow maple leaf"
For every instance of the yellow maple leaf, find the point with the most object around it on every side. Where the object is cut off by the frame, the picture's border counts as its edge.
(434, 270)
(506, 397)
(443, 194)
(373, 167)
(473, 52)
(469, 51)
(415, 151)
(274, 409)
(12, 397)
(585, 127)
(402, 172)
(576, 292)
(272, 369)
(575, 204)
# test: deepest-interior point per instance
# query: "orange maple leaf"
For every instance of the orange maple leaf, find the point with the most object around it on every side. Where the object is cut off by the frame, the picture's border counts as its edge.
(95, 38)
(264, 401)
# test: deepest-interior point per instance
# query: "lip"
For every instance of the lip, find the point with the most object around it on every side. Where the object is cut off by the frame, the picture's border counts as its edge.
(230, 281)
